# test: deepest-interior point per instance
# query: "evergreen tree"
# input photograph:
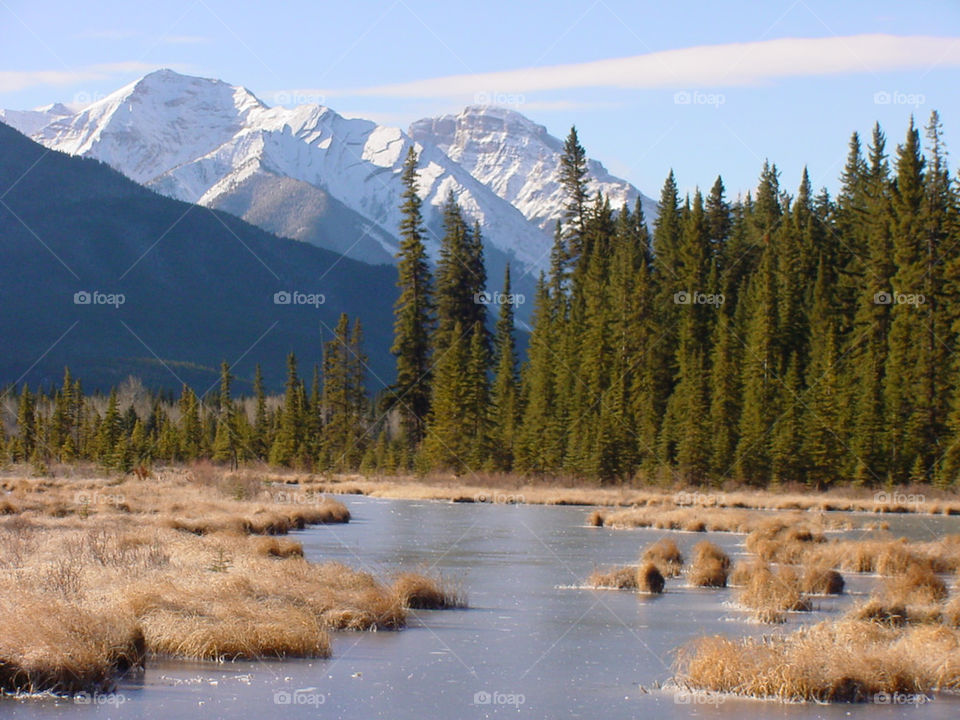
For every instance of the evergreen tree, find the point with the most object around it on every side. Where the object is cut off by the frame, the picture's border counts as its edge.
(505, 393)
(226, 441)
(413, 314)
(287, 443)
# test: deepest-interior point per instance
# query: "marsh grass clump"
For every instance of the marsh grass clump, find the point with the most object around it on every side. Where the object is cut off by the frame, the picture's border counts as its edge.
(770, 594)
(918, 585)
(420, 592)
(709, 567)
(843, 661)
(595, 519)
(650, 579)
(277, 547)
(666, 556)
(820, 580)
(64, 647)
(624, 578)
(743, 570)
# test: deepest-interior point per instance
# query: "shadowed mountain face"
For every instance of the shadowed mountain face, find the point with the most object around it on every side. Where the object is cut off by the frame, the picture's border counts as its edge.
(113, 279)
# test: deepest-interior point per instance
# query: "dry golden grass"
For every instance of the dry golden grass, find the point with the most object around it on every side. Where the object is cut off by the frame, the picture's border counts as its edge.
(743, 570)
(666, 556)
(624, 578)
(844, 661)
(420, 592)
(770, 594)
(709, 567)
(277, 547)
(106, 575)
(650, 579)
(822, 581)
(713, 519)
(708, 572)
(50, 643)
(570, 491)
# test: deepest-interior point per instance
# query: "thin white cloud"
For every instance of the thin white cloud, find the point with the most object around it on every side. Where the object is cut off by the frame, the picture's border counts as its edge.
(733, 64)
(13, 80)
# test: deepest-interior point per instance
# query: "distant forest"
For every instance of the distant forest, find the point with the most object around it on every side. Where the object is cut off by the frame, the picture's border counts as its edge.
(774, 339)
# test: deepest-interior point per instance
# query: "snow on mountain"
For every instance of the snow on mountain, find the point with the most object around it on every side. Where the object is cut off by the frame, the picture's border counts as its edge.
(212, 143)
(30, 121)
(519, 160)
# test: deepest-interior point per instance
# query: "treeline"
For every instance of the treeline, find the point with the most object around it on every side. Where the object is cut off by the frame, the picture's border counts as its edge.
(776, 338)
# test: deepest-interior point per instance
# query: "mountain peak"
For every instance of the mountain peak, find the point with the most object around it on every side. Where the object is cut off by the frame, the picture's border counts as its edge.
(518, 159)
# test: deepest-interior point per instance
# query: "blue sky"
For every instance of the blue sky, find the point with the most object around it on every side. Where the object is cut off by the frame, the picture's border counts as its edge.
(703, 88)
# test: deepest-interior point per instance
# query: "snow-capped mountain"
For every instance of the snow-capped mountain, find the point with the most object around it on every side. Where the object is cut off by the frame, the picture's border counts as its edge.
(311, 174)
(519, 160)
(205, 141)
(30, 121)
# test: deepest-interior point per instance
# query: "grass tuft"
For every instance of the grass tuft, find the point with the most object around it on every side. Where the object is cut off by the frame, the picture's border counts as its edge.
(649, 579)
(420, 592)
(666, 556)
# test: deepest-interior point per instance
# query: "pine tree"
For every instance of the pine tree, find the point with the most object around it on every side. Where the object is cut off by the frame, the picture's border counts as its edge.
(109, 433)
(261, 441)
(413, 314)
(724, 397)
(226, 441)
(759, 380)
(477, 410)
(505, 391)
(460, 279)
(337, 409)
(824, 444)
(26, 427)
(287, 442)
(907, 358)
(573, 178)
(538, 387)
(190, 428)
(446, 444)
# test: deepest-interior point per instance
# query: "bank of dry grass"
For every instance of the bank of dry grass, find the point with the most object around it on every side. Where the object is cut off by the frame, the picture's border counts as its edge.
(841, 661)
(494, 487)
(98, 574)
(713, 519)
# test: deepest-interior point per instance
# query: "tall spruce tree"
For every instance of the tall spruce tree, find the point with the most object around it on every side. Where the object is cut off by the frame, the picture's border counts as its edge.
(413, 313)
